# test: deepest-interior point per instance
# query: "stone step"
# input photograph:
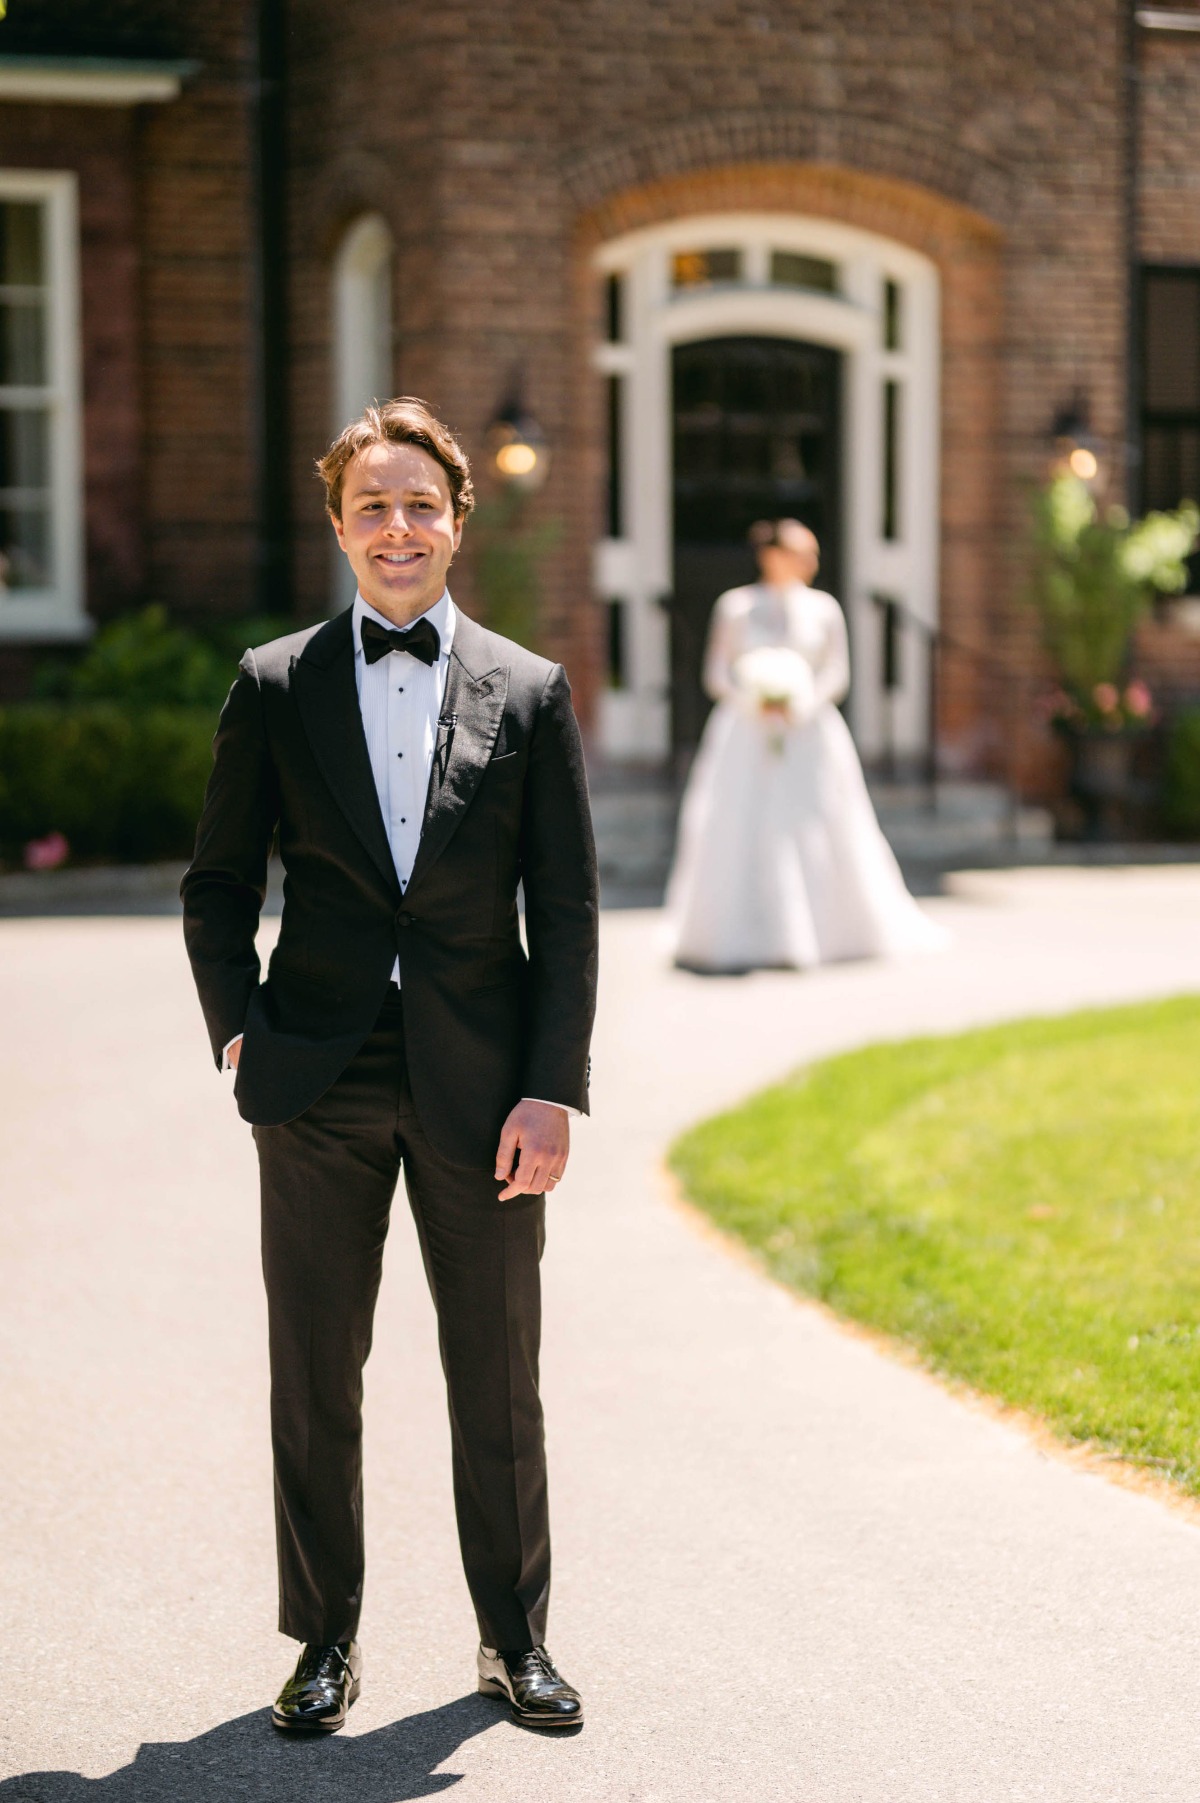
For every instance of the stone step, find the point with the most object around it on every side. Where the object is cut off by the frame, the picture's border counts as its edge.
(635, 824)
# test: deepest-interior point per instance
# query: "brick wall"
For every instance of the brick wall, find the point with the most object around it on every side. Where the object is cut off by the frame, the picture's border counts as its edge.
(199, 326)
(1169, 148)
(167, 325)
(519, 136)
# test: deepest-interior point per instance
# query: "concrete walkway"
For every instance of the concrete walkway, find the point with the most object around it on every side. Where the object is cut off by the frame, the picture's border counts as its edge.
(787, 1566)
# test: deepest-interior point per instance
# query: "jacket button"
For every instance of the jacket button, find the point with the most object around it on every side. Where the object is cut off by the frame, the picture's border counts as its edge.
(404, 918)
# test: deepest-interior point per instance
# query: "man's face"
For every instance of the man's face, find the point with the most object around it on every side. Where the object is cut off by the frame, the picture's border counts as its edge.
(398, 528)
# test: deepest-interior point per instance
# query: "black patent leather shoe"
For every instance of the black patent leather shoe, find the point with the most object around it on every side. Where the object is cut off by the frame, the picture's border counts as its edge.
(539, 1698)
(317, 1696)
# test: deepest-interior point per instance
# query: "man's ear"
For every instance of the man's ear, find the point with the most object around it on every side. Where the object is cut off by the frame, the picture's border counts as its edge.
(458, 526)
(338, 530)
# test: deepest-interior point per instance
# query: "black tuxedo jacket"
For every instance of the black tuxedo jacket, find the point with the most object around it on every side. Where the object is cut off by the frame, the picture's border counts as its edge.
(507, 804)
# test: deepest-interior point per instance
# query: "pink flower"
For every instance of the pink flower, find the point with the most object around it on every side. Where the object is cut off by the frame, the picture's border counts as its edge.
(1106, 697)
(47, 853)
(1138, 700)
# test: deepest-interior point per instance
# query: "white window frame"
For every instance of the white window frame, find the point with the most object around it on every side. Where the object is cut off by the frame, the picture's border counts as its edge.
(59, 612)
(637, 568)
(362, 341)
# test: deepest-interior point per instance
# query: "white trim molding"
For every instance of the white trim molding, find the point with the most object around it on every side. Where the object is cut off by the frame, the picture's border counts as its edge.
(636, 569)
(362, 342)
(92, 80)
(1167, 18)
(57, 611)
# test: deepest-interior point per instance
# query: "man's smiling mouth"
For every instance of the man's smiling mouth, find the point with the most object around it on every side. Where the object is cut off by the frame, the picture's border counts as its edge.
(399, 558)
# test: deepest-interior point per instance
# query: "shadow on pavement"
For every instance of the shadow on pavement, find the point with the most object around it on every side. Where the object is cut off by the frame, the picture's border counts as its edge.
(246, 1761)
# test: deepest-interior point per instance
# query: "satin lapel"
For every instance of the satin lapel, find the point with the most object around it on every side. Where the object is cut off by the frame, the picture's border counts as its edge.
(472, 709)
(327, 698)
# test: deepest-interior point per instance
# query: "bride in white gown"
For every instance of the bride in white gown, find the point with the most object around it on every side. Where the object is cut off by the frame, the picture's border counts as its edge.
(780, 860)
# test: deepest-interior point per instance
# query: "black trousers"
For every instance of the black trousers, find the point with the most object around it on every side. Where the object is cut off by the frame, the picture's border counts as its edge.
(327, 1185)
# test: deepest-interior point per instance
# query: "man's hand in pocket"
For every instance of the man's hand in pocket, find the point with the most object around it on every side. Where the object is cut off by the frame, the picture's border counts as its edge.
(233, 1052)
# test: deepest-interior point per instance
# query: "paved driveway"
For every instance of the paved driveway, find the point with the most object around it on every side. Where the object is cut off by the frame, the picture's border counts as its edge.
(787, 1567)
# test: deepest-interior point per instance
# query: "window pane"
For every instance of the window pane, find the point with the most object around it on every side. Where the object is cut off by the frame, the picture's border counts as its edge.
(790, 269)
(22, 344)
(24, 548)
(890, 523)
(24, 448)
(614, 298)
(22, 259)
(616, 645)
(1170, 465)
(694, 268)
(892, 322)
(1172, 342)
(615, 422)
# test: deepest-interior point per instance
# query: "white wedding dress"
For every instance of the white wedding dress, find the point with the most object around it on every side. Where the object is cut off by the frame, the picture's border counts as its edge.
(780, 860)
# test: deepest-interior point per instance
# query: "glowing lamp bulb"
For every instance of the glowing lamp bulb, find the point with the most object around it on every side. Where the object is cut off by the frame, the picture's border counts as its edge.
(1082, 463)
(516, 459)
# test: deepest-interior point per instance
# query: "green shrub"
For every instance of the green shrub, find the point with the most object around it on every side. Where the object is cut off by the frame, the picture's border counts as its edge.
(147, 660)
(1181, 777)
(141, 660)
(121, 783)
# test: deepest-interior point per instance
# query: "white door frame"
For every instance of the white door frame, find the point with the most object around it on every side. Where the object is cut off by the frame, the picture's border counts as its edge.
(636, 569)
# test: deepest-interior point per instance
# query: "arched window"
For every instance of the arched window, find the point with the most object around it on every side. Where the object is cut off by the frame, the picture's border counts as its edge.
(362, 337)
(362, 322)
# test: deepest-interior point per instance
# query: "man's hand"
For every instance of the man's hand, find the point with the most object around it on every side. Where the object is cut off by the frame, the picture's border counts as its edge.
(535, 1142)
(234, 1052)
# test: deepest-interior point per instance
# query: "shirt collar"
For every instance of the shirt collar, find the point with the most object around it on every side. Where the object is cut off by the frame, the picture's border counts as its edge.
(442, 615)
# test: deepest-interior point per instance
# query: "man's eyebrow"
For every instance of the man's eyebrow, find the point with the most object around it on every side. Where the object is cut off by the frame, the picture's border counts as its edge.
(371, 486)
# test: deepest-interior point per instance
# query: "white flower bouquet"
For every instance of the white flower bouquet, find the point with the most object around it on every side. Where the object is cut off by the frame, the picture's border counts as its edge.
(779, 681)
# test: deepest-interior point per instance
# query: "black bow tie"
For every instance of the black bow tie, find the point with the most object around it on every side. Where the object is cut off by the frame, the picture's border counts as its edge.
(420, 641)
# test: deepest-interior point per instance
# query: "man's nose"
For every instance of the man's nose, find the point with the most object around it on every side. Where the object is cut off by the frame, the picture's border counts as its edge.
(398, 523)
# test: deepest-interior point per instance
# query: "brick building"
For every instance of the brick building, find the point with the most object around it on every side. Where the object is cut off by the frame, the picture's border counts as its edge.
(850, 262)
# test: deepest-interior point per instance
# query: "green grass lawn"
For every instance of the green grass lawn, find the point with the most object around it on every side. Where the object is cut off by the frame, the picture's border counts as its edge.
(1021, 1205)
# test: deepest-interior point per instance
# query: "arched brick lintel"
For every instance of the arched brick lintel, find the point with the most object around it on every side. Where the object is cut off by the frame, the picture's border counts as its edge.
(919, 217)
(894, 151)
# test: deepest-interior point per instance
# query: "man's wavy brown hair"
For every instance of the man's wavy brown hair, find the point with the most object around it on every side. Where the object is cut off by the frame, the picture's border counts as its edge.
(406, 420)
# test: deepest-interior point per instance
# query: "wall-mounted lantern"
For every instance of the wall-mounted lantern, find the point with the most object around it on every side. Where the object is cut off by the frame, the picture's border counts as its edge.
(1076, 448)
(519, 452)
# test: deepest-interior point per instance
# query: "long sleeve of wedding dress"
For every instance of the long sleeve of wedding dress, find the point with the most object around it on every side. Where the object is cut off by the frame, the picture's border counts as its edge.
(723, 648)
(831, 665)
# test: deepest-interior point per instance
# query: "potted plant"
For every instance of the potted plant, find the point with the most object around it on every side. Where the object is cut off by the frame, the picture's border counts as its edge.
(1096, 572)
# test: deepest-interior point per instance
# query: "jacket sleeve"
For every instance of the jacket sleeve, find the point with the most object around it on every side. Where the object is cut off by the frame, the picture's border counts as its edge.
(562, 905)
(224, 887)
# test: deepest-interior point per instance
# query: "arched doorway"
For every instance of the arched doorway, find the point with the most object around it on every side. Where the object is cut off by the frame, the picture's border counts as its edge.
(851, 323)
(755, 435)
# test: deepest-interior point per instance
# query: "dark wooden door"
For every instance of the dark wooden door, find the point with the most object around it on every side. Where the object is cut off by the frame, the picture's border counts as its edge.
(755, 434)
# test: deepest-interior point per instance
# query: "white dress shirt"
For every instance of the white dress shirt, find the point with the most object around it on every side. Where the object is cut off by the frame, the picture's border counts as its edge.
(400, 699)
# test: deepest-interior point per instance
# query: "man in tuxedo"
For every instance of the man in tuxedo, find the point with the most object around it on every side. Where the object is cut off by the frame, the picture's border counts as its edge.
(416, 769)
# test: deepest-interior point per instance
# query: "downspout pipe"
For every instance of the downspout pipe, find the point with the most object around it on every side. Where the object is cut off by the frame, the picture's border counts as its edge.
(269, 246)
(1133, 287)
